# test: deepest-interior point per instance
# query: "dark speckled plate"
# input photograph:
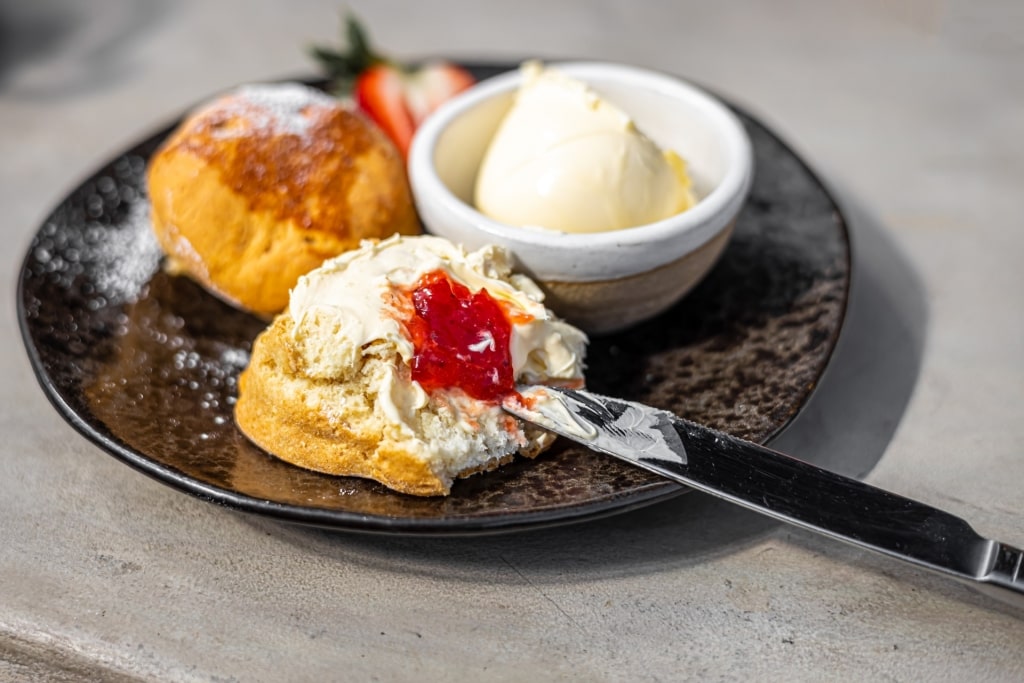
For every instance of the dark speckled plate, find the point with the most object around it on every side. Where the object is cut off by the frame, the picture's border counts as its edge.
(145, 365)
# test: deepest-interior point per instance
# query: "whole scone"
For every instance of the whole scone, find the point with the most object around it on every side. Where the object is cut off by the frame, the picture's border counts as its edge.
(265, 183)
(391, 362)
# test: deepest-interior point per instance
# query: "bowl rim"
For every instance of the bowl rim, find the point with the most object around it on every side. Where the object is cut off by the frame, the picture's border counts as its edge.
(696, 225)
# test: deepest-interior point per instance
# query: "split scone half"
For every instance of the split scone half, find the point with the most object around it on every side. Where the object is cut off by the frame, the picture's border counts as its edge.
(391, 362)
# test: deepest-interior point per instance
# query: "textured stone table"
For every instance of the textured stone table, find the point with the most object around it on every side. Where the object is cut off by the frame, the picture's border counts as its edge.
(914, 113)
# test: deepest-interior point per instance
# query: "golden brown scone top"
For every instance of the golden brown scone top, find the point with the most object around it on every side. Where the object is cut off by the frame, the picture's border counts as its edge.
(263, 184)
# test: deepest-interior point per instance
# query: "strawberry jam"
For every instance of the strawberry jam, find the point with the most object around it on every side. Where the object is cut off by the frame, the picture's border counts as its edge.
(461, 339)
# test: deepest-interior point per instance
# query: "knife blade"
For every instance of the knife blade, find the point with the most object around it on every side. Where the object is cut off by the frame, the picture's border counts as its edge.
(774, 484)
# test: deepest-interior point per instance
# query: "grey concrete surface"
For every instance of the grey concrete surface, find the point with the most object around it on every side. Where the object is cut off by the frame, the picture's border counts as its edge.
(913, 111)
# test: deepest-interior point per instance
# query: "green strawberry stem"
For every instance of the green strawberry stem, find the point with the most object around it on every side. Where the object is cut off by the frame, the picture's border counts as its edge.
(343, 66)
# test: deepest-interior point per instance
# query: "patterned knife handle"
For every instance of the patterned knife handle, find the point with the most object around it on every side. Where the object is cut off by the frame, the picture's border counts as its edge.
(1008, 569)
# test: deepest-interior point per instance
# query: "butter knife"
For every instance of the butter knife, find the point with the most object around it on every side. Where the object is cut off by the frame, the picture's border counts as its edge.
(777, 485)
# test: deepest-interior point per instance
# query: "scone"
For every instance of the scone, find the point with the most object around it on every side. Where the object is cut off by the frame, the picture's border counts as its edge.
(391, 362)
(264, 183)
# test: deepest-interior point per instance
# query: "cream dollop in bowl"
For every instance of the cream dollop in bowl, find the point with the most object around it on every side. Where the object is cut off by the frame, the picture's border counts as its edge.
(600, 281)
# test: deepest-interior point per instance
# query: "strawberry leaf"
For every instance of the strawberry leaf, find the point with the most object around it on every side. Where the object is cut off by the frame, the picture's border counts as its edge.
(359, 43)
(342, 66)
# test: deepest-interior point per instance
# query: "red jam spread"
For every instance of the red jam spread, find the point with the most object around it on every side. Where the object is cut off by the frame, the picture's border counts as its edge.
(461, 339)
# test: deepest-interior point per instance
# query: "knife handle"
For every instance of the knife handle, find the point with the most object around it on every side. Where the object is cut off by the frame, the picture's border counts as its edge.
(846, 509)
(1007, 571)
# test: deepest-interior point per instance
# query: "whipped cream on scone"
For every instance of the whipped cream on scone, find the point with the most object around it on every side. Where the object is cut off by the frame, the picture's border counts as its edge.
(391, 362)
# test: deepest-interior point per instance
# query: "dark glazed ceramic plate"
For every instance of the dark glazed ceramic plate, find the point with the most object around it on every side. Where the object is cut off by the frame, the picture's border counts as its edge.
(145, 365)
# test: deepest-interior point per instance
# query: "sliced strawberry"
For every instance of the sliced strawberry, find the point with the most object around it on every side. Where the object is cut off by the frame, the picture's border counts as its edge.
(380, 92)
(398, 98)
(432, 85)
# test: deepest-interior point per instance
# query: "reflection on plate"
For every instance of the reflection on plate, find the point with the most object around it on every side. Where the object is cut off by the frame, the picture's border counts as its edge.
(145, 365)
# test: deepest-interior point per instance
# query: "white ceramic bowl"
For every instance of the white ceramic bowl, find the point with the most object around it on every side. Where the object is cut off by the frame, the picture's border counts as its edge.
(602, 281)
